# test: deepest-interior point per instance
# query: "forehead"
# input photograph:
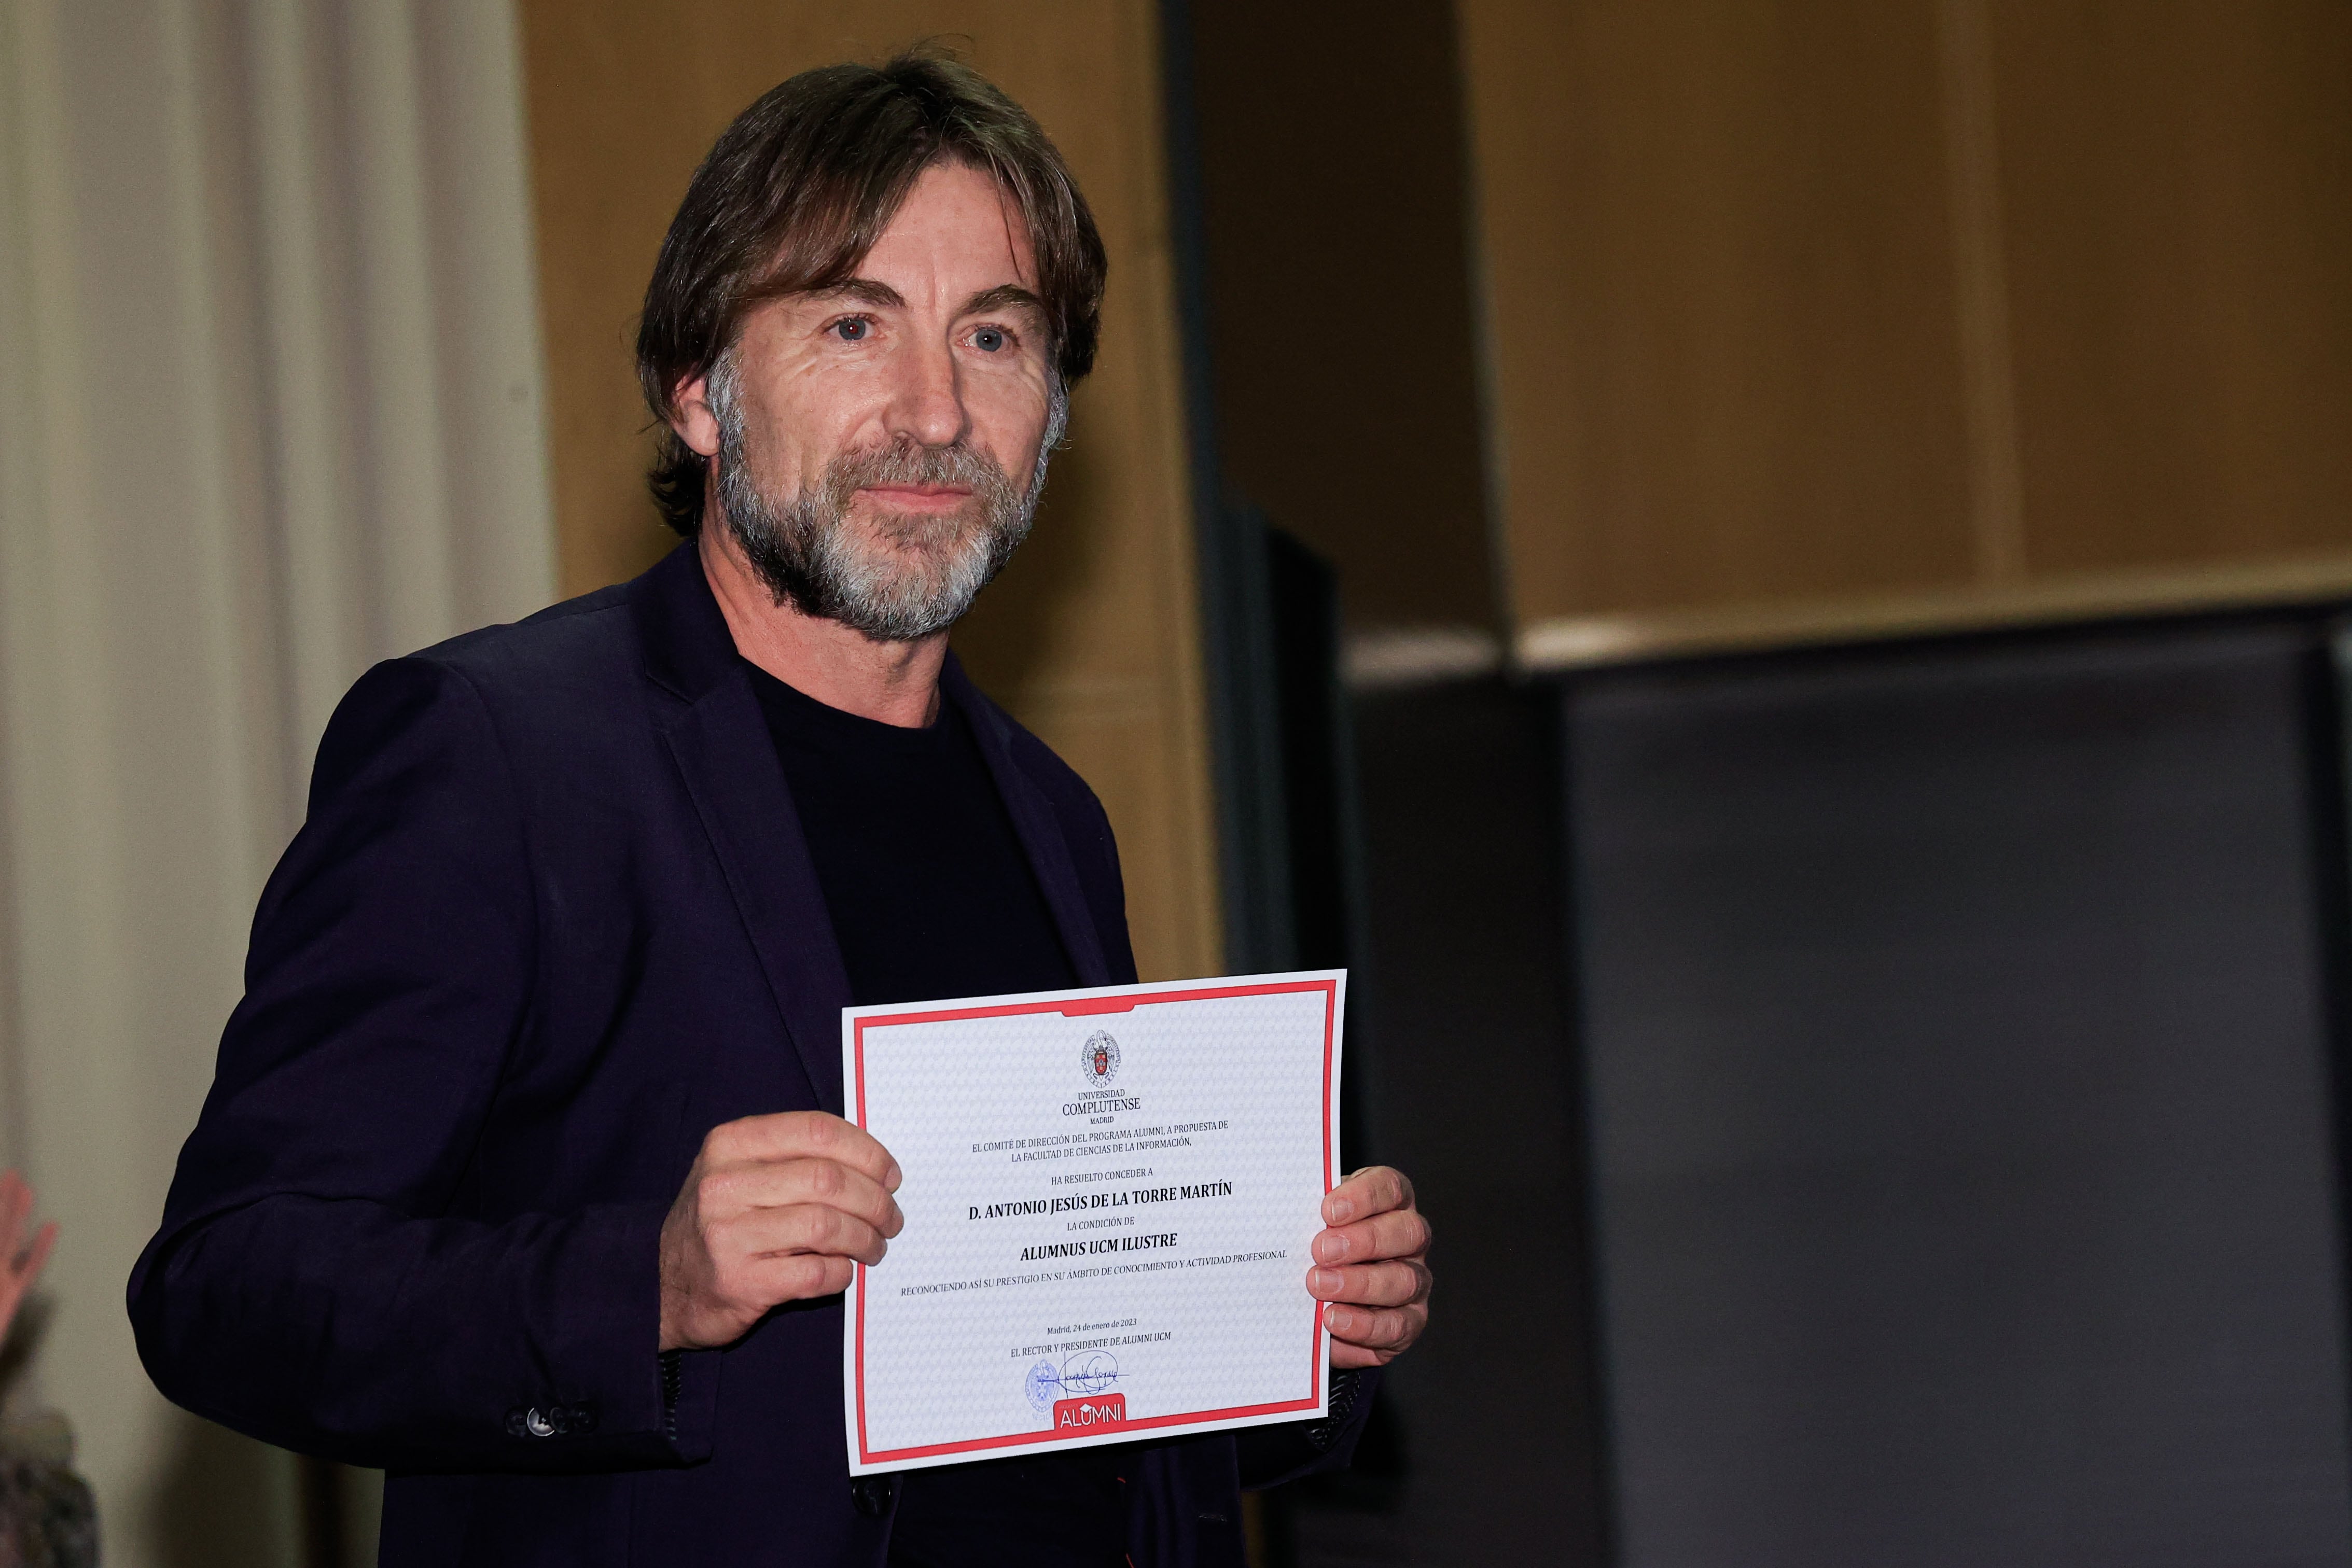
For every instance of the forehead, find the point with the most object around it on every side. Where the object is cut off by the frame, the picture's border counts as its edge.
(957, 228)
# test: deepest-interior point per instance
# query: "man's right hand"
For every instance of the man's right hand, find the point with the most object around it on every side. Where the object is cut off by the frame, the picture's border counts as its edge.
(777, 1209)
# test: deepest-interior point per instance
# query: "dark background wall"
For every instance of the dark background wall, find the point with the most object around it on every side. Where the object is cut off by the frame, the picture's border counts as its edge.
(1340, 281)
(1878, 1103)
(1959, 1027)
(1874, 1079)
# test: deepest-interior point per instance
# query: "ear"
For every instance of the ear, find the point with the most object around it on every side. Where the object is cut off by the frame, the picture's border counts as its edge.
(695, 424)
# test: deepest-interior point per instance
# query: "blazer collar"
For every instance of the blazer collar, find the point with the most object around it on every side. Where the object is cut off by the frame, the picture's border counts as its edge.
(687, 647)
(720, 742)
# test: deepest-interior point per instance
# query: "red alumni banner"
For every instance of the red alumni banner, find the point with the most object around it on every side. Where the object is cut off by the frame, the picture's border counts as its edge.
(1074, 1416)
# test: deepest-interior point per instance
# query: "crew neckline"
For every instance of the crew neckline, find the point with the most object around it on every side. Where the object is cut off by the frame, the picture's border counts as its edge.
(822, 712)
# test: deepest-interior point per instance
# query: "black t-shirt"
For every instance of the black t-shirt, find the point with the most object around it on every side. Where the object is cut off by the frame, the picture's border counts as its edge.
(931, 896)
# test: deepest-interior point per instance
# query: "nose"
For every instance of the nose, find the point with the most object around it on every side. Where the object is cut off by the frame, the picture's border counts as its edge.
(927, 404)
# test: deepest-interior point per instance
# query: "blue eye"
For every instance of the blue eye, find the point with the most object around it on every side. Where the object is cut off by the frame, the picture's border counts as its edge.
(853, 328)
(988, 340)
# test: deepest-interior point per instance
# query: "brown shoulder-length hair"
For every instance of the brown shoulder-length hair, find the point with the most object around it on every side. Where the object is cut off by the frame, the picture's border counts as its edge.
(798, 189)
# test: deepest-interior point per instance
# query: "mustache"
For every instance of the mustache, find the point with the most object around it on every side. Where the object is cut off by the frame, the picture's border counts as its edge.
(907, 462)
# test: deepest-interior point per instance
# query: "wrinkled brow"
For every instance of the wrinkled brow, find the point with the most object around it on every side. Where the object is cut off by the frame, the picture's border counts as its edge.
(865, 290)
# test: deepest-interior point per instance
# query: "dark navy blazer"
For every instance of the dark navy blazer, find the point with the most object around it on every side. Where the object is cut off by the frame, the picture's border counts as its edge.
(551, 919)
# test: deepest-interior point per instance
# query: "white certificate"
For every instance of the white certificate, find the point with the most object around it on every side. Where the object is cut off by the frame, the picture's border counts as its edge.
(1110, 1196)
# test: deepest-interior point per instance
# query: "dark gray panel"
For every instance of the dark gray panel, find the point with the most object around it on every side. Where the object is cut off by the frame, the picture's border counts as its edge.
(1466, 1051)
(1956, 1037)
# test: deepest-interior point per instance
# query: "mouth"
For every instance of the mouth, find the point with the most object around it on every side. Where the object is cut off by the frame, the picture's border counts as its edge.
(920, 497)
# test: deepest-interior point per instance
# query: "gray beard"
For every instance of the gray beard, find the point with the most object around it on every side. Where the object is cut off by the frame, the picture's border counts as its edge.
(924, 570)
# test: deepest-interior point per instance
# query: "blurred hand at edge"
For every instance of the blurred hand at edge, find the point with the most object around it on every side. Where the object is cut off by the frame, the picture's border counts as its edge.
(21, 1258)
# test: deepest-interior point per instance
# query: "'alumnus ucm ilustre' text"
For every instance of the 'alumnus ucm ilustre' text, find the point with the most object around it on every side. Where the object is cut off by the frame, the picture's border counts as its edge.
(1103, 1244)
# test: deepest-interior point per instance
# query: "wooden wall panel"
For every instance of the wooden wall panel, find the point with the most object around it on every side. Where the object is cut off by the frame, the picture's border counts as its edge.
(1090, 637)
(1719, 300)
(2176, 188)
(1815, 319)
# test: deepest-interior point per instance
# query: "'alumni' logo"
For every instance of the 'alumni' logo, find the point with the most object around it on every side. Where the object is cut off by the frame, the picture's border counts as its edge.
(1077, 1415)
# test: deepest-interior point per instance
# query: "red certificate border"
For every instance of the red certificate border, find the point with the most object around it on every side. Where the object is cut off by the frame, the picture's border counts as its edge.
(1087, 1007)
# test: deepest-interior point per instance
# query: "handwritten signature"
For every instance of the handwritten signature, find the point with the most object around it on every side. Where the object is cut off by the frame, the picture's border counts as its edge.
(1080, 1374)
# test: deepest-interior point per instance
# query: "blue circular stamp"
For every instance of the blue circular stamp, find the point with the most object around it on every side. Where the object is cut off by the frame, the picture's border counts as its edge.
(1042, 1384)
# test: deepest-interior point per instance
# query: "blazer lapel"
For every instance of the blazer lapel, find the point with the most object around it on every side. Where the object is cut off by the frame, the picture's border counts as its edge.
(723, 750)
(1034, 822)
(720, 740)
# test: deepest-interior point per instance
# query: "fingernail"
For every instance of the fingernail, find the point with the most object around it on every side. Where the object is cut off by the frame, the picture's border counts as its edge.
(892, 1180)
(1331, 1249)
(1323, 1280)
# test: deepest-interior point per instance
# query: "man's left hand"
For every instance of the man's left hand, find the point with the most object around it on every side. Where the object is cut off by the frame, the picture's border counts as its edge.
(1372, 1265)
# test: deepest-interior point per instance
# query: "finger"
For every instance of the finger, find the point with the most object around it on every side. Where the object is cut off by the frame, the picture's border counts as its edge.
(803, 1227)
(796, 1277)
(1345, 1353)
(801, 1134)
(780, 1183)
(1388, 1329)
(1369, 1284)
(1372, 1190)
(27, 1268)
(731, 1190)
(1399, 1233)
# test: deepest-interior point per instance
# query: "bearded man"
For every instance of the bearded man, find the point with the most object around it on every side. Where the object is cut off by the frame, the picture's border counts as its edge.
(523, 1175)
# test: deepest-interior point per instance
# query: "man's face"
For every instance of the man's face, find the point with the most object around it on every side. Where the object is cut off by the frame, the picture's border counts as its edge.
(881, 444)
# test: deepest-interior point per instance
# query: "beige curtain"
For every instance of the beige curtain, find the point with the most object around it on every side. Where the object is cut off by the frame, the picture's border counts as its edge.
(270, 409)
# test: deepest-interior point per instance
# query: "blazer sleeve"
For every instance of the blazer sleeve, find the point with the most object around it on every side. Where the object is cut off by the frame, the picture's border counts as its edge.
(312, 1284)
(1268, 1456)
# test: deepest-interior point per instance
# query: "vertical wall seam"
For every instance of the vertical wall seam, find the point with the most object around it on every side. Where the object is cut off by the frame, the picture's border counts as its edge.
(1183, 690)
(1972, 163)
(1493, 433)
